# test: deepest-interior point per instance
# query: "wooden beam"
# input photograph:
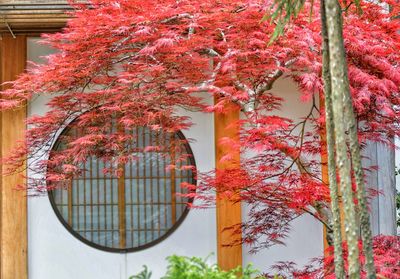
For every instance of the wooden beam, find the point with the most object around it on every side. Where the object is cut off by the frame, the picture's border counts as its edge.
(13, 203)
(29, 16)
(31, 25)
(228, 212)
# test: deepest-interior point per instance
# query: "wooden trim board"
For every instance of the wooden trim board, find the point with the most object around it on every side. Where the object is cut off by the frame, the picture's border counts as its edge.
(13, 203)
(228, 212)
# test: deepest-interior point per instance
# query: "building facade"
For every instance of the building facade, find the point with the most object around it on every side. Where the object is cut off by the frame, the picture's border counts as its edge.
(41, 239)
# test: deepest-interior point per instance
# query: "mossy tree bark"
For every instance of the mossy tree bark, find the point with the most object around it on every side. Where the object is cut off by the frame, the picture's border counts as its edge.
(330, 142)
(340, 91)
(344, 108)
(365, 224)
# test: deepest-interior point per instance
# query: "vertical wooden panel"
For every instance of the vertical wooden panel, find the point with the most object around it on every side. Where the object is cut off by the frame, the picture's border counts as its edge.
(122, 209)
(121, 199)
(228, 213)
(324, 162)
(383, 207)
(13, 205)
(387, 186)
(368, 161)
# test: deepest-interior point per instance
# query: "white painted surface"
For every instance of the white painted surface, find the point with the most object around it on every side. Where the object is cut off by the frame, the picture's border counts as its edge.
(305, 240)
(54, 253)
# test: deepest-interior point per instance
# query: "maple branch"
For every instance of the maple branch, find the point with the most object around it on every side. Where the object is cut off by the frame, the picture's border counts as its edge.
(213, 53)
(191, 32)
(223, 36)
(298, 160)
(120, 43)
(176, 17)
(250, 105)
(316, 216)
(207, 85)
(274, 76)
(324, 221)
(239, 85)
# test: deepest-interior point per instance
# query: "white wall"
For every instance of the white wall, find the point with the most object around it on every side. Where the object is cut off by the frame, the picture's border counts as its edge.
(305, 240)
(54, 253)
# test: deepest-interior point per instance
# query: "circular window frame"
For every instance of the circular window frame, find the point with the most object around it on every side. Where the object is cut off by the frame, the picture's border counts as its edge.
(150, 244)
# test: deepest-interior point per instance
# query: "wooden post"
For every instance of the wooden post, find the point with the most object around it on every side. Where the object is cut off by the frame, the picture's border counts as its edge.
(228, 212)
(13, 203)
(324, 169)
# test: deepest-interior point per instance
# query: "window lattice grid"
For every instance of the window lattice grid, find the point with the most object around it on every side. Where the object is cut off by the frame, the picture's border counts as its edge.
(134, 210)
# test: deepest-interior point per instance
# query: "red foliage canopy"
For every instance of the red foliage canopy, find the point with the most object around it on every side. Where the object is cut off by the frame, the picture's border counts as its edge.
(386, 257)
(133, 63)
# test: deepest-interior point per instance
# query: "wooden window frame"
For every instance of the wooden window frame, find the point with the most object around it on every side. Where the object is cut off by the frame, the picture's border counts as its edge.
(121, 205)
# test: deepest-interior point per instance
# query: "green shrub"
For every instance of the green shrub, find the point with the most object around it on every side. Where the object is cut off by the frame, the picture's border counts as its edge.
(180, 267)
(197, 268)
(144, 274)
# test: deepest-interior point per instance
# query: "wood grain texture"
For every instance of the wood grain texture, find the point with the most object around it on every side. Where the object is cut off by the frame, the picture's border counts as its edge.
(13, 203)
(370, 160)
(387, 186)
(382, 207)
(33, 16)
(228, 212)
(324, 163)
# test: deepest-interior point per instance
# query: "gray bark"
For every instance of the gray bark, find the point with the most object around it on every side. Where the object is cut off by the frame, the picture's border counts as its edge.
(349, 115)
(340, 85)
(330, 142)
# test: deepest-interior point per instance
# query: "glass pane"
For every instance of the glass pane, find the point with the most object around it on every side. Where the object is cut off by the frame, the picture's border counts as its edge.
(150, 200)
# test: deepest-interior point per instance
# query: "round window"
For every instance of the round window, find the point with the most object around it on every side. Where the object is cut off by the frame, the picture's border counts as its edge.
(133, 211)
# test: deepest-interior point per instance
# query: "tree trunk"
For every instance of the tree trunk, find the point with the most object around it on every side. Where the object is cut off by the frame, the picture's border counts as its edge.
(340, 89)
(351, 128)
(366, 233)
(330, 142)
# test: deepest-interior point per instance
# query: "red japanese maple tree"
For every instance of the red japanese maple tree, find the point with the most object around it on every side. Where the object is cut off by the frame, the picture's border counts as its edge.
(386, 257)
(130, 63)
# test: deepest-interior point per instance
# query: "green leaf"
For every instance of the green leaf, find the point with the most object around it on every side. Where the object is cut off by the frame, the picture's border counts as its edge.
(144, 274)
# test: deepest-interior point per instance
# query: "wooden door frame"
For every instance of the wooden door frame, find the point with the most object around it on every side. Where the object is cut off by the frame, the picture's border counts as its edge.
(228, 212)
(13, 202)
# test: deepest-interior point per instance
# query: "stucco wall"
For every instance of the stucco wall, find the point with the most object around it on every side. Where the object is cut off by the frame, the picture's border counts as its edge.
(306, 238)
(55, 253)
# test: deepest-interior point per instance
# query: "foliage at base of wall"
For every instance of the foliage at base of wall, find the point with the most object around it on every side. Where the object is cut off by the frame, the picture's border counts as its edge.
(386, 256)
(181, 267)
